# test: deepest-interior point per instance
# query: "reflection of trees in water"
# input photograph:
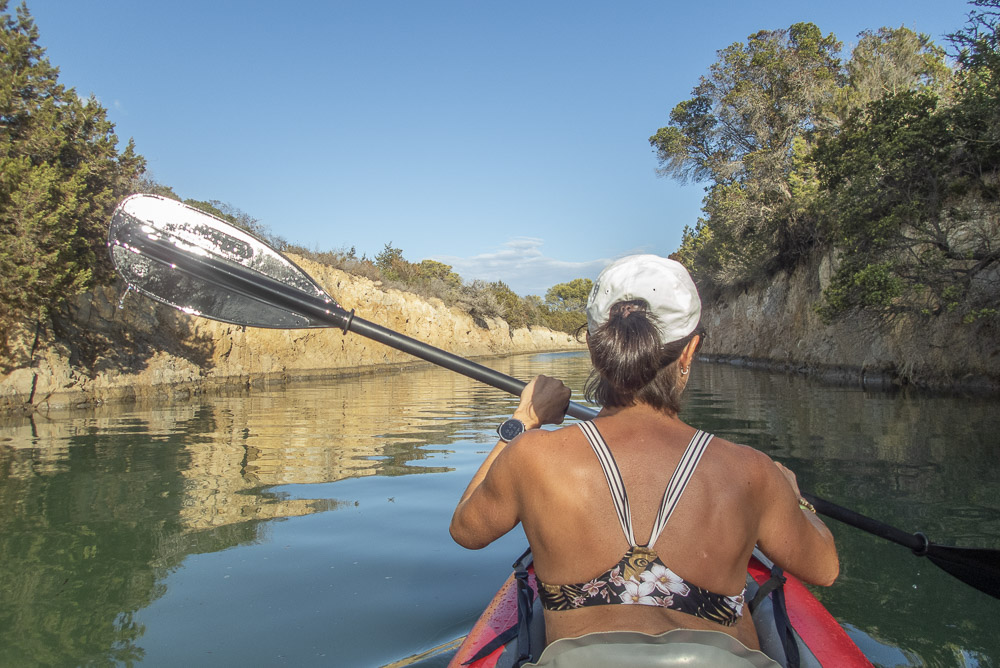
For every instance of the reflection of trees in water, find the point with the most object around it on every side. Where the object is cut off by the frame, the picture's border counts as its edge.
(78, 538)
(99, 506)
(917, 447)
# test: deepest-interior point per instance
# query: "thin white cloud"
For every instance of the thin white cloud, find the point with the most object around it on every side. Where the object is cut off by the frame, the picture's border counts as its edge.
(522, 265)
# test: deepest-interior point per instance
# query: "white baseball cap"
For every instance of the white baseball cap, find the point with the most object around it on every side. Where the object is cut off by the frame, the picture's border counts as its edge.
(664, 284)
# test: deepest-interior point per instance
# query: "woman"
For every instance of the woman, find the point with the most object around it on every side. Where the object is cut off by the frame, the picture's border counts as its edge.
(594, 500)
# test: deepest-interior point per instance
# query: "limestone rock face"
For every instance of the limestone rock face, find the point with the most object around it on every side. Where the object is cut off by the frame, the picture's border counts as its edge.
(777, 326)
(108, 348)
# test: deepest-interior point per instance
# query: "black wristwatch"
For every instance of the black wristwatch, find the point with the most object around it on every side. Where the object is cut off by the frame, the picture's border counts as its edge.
(510, 429)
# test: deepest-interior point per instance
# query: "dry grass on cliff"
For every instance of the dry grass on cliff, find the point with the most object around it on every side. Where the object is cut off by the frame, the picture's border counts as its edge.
(480, 299)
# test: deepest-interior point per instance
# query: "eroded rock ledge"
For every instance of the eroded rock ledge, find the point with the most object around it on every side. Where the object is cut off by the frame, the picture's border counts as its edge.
(776, 327)
(99, 351)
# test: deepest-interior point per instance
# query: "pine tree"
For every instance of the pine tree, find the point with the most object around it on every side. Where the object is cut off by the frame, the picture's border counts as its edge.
(60, 178)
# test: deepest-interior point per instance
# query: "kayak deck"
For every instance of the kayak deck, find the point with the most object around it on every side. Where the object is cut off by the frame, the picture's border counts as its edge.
(818, 639)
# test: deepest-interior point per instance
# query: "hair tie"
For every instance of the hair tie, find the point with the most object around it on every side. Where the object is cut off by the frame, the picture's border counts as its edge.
(629, 308)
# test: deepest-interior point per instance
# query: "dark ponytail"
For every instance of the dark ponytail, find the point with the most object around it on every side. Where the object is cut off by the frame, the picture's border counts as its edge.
(630, 363)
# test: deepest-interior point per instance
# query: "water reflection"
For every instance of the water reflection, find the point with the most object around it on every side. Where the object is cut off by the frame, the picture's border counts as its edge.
(917, 462)
(200, 532)
(99, 506)
(870, 451)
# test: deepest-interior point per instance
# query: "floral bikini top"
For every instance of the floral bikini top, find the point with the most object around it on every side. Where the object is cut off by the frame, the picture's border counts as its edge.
(641, 577)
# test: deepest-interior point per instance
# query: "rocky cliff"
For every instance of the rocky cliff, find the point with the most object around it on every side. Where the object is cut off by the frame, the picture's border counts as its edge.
(776, 326)
(106, 348)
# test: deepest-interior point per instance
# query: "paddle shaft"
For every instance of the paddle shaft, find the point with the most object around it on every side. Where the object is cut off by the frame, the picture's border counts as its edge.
(917, 542)
(319, 307)
(267, 290)
(977, 567)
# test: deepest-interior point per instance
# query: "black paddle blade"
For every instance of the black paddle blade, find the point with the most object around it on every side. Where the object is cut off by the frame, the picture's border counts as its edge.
(204, 266)
(978, 567)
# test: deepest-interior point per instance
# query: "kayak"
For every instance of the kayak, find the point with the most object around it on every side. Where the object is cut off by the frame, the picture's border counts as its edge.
(793, 626)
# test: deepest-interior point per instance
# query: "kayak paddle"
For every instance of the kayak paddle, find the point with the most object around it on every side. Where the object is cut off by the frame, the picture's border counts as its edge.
(204, 266)
(978, 567)
(195, 262)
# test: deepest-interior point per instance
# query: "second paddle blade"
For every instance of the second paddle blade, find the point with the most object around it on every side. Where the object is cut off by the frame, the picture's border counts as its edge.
(978, 567)
(202, 265)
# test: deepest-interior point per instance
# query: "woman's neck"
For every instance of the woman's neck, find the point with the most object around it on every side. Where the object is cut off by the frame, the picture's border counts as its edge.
(638, 409)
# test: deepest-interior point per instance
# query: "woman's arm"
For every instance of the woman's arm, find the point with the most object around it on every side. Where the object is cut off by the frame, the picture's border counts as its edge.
(488, 509)
(793, 536)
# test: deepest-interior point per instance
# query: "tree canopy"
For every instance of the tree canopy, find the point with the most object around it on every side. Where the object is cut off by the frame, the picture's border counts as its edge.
(570, 296)
(888, 156)
(61, 175)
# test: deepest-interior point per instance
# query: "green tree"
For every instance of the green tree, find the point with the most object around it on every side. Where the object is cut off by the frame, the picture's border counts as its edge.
(977, 110)
(393, 266)
(752, 131)
(890, 61)
(746, 130)
(757, 97)
(147, 185)
(910, 182)
(431, 270)
(570, 296)
(566, 304)
(60, 177)
(915, 230)
(512, 308)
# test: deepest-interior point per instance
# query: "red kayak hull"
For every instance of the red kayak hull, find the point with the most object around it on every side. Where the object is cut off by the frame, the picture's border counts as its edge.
(817, 629)
(499, 616)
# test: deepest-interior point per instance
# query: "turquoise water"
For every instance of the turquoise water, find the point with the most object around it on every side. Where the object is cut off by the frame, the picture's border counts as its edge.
(308, 525)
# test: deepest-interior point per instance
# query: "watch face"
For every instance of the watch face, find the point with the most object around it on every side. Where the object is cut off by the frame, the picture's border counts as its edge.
(510, 429)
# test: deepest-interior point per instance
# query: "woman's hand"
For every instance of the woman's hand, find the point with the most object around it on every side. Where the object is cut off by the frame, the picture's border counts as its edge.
(543, 401)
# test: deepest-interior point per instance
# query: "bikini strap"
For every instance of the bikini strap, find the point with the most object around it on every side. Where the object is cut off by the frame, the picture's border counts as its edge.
(613, 476)
(679, 480)
(671, 496)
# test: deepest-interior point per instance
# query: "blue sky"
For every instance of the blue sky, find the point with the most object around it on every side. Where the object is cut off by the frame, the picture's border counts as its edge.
(509, 140)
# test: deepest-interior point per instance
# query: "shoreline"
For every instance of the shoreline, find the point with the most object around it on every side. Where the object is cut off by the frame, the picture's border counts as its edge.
(870, 379)
(73, 400)
(57, 403)
(104, 350)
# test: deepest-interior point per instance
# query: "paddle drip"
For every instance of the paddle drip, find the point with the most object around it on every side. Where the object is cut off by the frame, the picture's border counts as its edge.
(121, 300)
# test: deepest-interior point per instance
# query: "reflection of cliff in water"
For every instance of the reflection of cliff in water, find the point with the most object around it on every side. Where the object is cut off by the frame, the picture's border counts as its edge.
(844, 438)
(914, 461)
(98, 507)
(313, 433)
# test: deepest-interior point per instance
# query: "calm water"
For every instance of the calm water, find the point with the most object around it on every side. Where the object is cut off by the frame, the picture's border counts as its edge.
(309, 525)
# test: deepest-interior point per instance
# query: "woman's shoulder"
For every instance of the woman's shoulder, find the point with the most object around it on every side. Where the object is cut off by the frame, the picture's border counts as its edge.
(547, 451)
(539, 442)
(550, 459)
(745, 450)
(745, 456)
